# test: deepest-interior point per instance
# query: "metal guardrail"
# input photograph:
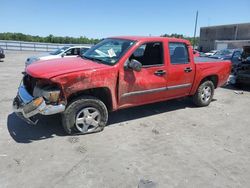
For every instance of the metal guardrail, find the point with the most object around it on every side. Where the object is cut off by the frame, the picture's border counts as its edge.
(33, 46)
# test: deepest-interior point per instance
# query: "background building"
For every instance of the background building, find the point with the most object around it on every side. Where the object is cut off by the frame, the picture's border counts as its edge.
(224, 36)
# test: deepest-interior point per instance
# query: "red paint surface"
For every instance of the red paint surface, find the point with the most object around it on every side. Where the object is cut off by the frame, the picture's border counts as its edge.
(76, 74)
(196, 53)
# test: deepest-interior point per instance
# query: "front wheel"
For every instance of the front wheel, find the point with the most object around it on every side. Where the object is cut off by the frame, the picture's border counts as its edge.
(204, 94)
(85, 115)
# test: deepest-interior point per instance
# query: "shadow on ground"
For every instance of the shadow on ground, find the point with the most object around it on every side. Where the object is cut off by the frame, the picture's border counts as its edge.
(149, 110)
(50, 126)
(239, 88)
(22, 132)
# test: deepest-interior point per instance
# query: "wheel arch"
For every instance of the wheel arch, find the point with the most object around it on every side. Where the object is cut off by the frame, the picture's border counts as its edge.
(214, 78)
(102, 93)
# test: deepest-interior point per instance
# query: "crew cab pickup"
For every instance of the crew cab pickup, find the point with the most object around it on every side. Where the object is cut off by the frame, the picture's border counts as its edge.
(118, 72)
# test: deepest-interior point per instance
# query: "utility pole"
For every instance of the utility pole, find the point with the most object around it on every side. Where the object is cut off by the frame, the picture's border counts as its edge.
(195, 27)
(236, 32)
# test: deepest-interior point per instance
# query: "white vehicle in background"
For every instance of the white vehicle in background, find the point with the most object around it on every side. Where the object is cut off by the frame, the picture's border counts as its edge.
(66, 51)
(212, 52)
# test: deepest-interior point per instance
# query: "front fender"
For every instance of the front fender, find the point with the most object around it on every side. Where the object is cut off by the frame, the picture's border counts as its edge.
(81, 81)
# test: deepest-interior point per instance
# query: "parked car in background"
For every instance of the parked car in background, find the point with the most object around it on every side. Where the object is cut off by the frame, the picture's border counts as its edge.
(242, 73)
(2, 55)
(117, 73)
(245, 57)
(196, 53)
(212, 52)
(233, 55)
(66, 51)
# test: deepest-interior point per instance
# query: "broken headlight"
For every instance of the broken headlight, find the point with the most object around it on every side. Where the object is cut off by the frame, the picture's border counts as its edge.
(49, 93)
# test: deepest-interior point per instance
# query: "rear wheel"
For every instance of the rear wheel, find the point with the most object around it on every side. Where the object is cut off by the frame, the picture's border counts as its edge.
(85, 115)
(204, 94)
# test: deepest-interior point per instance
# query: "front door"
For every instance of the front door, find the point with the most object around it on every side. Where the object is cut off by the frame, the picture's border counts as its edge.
(147, 85)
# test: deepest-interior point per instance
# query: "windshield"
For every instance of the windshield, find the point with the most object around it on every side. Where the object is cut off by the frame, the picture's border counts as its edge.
(58, 51)
(108, 51)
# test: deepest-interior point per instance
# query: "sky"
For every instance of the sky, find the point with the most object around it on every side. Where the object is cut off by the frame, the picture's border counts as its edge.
(100, 19)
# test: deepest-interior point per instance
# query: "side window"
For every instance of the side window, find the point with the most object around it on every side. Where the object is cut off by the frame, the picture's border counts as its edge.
(149, 54)
(76, 51)
(178, 53)
(139, 51)
(73, 51)
(69, 52)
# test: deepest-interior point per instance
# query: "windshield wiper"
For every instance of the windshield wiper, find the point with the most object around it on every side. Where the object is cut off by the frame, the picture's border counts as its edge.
(94, 59)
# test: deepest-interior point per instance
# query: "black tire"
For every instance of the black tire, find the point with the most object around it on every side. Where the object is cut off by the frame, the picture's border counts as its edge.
(199, 99)
(71, 111)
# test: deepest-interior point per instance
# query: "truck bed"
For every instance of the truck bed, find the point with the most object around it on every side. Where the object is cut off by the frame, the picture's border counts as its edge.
(206, 60)
(206, 66)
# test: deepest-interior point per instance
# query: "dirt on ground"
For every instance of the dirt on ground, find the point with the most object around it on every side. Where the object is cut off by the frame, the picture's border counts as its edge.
(167, 144)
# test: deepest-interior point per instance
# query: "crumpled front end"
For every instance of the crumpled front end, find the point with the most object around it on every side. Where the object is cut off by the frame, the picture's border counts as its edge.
(43, 100)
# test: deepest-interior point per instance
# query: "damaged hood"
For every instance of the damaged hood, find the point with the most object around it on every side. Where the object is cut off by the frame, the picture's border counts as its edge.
(51, 68)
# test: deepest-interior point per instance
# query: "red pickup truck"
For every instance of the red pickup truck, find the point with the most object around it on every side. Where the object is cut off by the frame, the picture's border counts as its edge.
(119, 72)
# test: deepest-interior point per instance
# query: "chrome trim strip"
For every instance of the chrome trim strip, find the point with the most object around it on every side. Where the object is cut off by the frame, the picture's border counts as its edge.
(156, 90)
(144, 91)
(53, 109)
(179, 86)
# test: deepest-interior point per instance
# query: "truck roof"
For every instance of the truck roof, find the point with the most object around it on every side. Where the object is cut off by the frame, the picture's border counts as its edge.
(150, 38)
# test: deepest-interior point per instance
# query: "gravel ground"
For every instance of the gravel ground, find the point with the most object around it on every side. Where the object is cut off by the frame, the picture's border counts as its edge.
(168, 144)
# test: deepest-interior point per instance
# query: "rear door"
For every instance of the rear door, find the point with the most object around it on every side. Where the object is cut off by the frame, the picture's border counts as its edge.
(147, 85)
(181, 69)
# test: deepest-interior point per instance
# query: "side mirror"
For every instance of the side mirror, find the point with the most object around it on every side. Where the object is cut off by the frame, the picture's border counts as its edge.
(134, 65)
(63, 54)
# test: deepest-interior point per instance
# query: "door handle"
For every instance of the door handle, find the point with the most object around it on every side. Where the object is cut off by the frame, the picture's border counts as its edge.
(160, 72)
(188, 69)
